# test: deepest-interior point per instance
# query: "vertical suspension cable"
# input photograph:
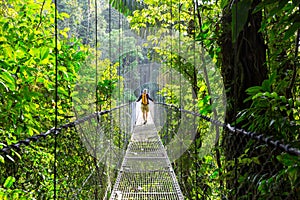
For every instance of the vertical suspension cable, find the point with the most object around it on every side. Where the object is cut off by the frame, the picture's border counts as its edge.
(110, 100)
(109, 48)
(97, 97)
(96, 54)
(235, 62)
(180, 74)
(56, 96)
(194, 101)
(235, 91)
(179, 56)
(169, 137)
(119, 86)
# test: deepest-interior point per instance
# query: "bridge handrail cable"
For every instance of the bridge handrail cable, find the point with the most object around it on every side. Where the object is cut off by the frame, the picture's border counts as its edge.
(56, 131)
(256, 136)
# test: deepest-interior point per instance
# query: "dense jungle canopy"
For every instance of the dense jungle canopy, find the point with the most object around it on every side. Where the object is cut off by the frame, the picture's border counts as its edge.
(45, 75)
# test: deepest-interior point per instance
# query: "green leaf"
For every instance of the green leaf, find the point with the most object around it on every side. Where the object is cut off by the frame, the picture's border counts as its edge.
(291, 30)
(9, 81)
(61, 90)
(253, 90)
(223, 3)
(202, 36)
(288, 160)
(3, 195)
(8, 51)
(44, 53)
(1, 159)
(9, 182)
(266, 85)
(15, 195)
(240, 17)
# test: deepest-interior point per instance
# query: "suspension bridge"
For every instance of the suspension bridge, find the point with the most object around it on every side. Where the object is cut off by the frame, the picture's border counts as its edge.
(145, 171)
(110, 154)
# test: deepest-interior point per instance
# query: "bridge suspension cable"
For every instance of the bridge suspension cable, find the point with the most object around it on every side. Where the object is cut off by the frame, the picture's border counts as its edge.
(144, 146)
(16, 146)
(257, 136)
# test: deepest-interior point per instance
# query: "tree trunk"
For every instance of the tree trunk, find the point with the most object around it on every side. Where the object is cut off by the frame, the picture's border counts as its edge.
(243, 66)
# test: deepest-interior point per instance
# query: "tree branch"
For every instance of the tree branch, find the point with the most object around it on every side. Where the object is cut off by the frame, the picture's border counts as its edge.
(41, 12)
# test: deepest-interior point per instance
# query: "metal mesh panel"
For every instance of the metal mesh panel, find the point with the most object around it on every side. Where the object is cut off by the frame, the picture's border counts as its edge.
(152, 181)
(146, 172)
(153, 196)
(145, 149)
(145, 164)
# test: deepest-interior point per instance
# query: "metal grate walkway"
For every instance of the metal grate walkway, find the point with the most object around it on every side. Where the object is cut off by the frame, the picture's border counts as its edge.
(146, 172)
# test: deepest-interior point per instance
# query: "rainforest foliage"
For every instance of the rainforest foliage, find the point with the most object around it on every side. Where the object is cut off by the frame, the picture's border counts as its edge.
(254, 44)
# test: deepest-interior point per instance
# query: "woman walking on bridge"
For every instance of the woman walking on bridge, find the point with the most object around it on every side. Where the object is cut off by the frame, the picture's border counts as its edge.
(145, 104)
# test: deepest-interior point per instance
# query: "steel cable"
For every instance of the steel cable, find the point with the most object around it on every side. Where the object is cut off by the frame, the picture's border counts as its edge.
(257, 136)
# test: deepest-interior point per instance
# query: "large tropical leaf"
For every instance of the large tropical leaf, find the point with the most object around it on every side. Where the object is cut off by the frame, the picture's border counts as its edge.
(126, 7)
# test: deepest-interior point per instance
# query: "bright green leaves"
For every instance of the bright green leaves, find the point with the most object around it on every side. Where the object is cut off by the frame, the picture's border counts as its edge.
(44, 52)
(7, 193)
(204, 34)
(64, 32)
(291, 169)
(162, 14)
(290, 20)
(240, 14)
(171, 94)
(204, 105)
(27, 85)
(105, 90)
(9, 182)
(1, 157)
(265, 87)
(8, 51)
(270, 111)
(7, 80)
(107, 85)
(40, 55)
(126, 7)
(289, 160)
